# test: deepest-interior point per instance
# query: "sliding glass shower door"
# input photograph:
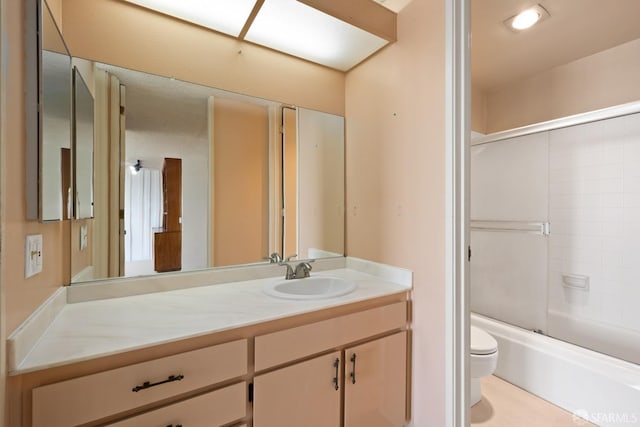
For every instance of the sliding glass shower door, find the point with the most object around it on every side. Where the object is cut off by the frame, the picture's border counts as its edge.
(555, 233)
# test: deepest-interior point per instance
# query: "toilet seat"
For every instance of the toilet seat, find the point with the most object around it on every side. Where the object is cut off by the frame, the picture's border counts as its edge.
(483, 360)
(481, 342)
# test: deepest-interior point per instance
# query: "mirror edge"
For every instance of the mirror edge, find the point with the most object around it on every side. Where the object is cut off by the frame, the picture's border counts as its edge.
(33, 106)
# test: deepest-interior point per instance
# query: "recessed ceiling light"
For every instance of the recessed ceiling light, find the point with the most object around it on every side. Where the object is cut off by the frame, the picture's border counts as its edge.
(527, 18)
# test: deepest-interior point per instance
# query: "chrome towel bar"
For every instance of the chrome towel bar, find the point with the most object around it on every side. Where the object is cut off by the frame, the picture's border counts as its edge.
(543, 228)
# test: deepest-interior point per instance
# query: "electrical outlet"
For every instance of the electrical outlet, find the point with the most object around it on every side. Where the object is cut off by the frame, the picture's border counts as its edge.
(33, 255)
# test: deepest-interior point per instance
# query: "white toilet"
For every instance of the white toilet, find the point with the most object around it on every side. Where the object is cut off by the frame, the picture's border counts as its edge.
(484, 358)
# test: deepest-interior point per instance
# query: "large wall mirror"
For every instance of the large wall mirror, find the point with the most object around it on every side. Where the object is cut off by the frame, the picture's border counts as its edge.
(167, 175)
(208, 179)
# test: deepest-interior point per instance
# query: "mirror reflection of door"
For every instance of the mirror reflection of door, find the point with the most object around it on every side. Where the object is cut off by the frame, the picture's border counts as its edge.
(143, 216)
(167, 119)
(167, 242)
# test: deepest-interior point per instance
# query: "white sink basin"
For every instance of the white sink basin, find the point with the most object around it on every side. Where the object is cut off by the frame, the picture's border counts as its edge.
(314, 287)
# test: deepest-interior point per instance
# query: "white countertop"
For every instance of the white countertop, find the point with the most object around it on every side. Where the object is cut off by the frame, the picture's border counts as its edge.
(92, 329)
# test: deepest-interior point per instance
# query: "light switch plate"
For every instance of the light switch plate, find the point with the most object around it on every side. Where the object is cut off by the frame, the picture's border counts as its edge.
(33, 255)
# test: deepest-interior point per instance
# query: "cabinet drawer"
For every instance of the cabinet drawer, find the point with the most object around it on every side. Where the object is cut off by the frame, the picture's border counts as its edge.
(295, 343)
(92, 397)
(208, 410)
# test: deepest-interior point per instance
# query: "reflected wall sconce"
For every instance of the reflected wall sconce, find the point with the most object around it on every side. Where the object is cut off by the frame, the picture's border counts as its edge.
(135, 168)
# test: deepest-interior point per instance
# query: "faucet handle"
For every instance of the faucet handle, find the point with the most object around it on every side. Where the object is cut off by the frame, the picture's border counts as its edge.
(303, 269)
(287, 259)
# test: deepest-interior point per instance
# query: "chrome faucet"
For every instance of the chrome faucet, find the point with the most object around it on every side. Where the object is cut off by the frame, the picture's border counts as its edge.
(301, 271)
(290, 274)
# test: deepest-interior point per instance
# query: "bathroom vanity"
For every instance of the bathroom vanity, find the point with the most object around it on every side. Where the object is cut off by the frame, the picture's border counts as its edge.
(187, 357)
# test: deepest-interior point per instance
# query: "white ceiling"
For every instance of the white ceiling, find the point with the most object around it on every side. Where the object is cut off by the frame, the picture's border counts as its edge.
(576, 28)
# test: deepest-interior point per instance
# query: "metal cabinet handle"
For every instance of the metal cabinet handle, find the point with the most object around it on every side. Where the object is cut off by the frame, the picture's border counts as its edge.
(148, 384)
(353, 372)
(177, 425)
(336, 364)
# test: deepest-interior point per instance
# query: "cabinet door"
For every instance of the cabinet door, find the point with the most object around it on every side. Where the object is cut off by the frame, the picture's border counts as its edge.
(376, 383)
(304, 394)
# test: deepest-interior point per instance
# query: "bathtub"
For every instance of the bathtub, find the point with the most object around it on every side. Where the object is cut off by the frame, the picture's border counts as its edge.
(592, 386)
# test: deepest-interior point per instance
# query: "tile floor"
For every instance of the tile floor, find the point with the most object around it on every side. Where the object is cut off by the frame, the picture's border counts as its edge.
(505, 405)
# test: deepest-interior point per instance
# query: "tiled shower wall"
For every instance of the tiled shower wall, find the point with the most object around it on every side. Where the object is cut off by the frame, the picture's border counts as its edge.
(594, 209)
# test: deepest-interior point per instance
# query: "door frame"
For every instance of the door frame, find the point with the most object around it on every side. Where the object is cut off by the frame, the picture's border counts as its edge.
(457, 139)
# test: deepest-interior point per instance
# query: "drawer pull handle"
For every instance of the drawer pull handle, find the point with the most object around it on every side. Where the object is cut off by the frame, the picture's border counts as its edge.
(336, 364)
(177, 425)
(148, 384)
(353, 373)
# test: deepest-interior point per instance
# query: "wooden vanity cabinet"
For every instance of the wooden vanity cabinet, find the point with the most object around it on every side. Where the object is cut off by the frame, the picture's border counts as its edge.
(345, 368)
(366, 382)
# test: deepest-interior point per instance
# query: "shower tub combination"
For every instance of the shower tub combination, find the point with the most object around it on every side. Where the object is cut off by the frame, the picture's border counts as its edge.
(555, 277)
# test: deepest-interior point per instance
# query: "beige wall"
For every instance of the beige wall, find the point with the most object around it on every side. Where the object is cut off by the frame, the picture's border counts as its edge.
(55, 6)
(195, 54)
(240, 182)
(396, 182)
(22, 295)
(478, 110)
(605, 79)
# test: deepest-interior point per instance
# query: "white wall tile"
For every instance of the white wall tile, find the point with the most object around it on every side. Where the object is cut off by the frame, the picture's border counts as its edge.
(594, 210)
